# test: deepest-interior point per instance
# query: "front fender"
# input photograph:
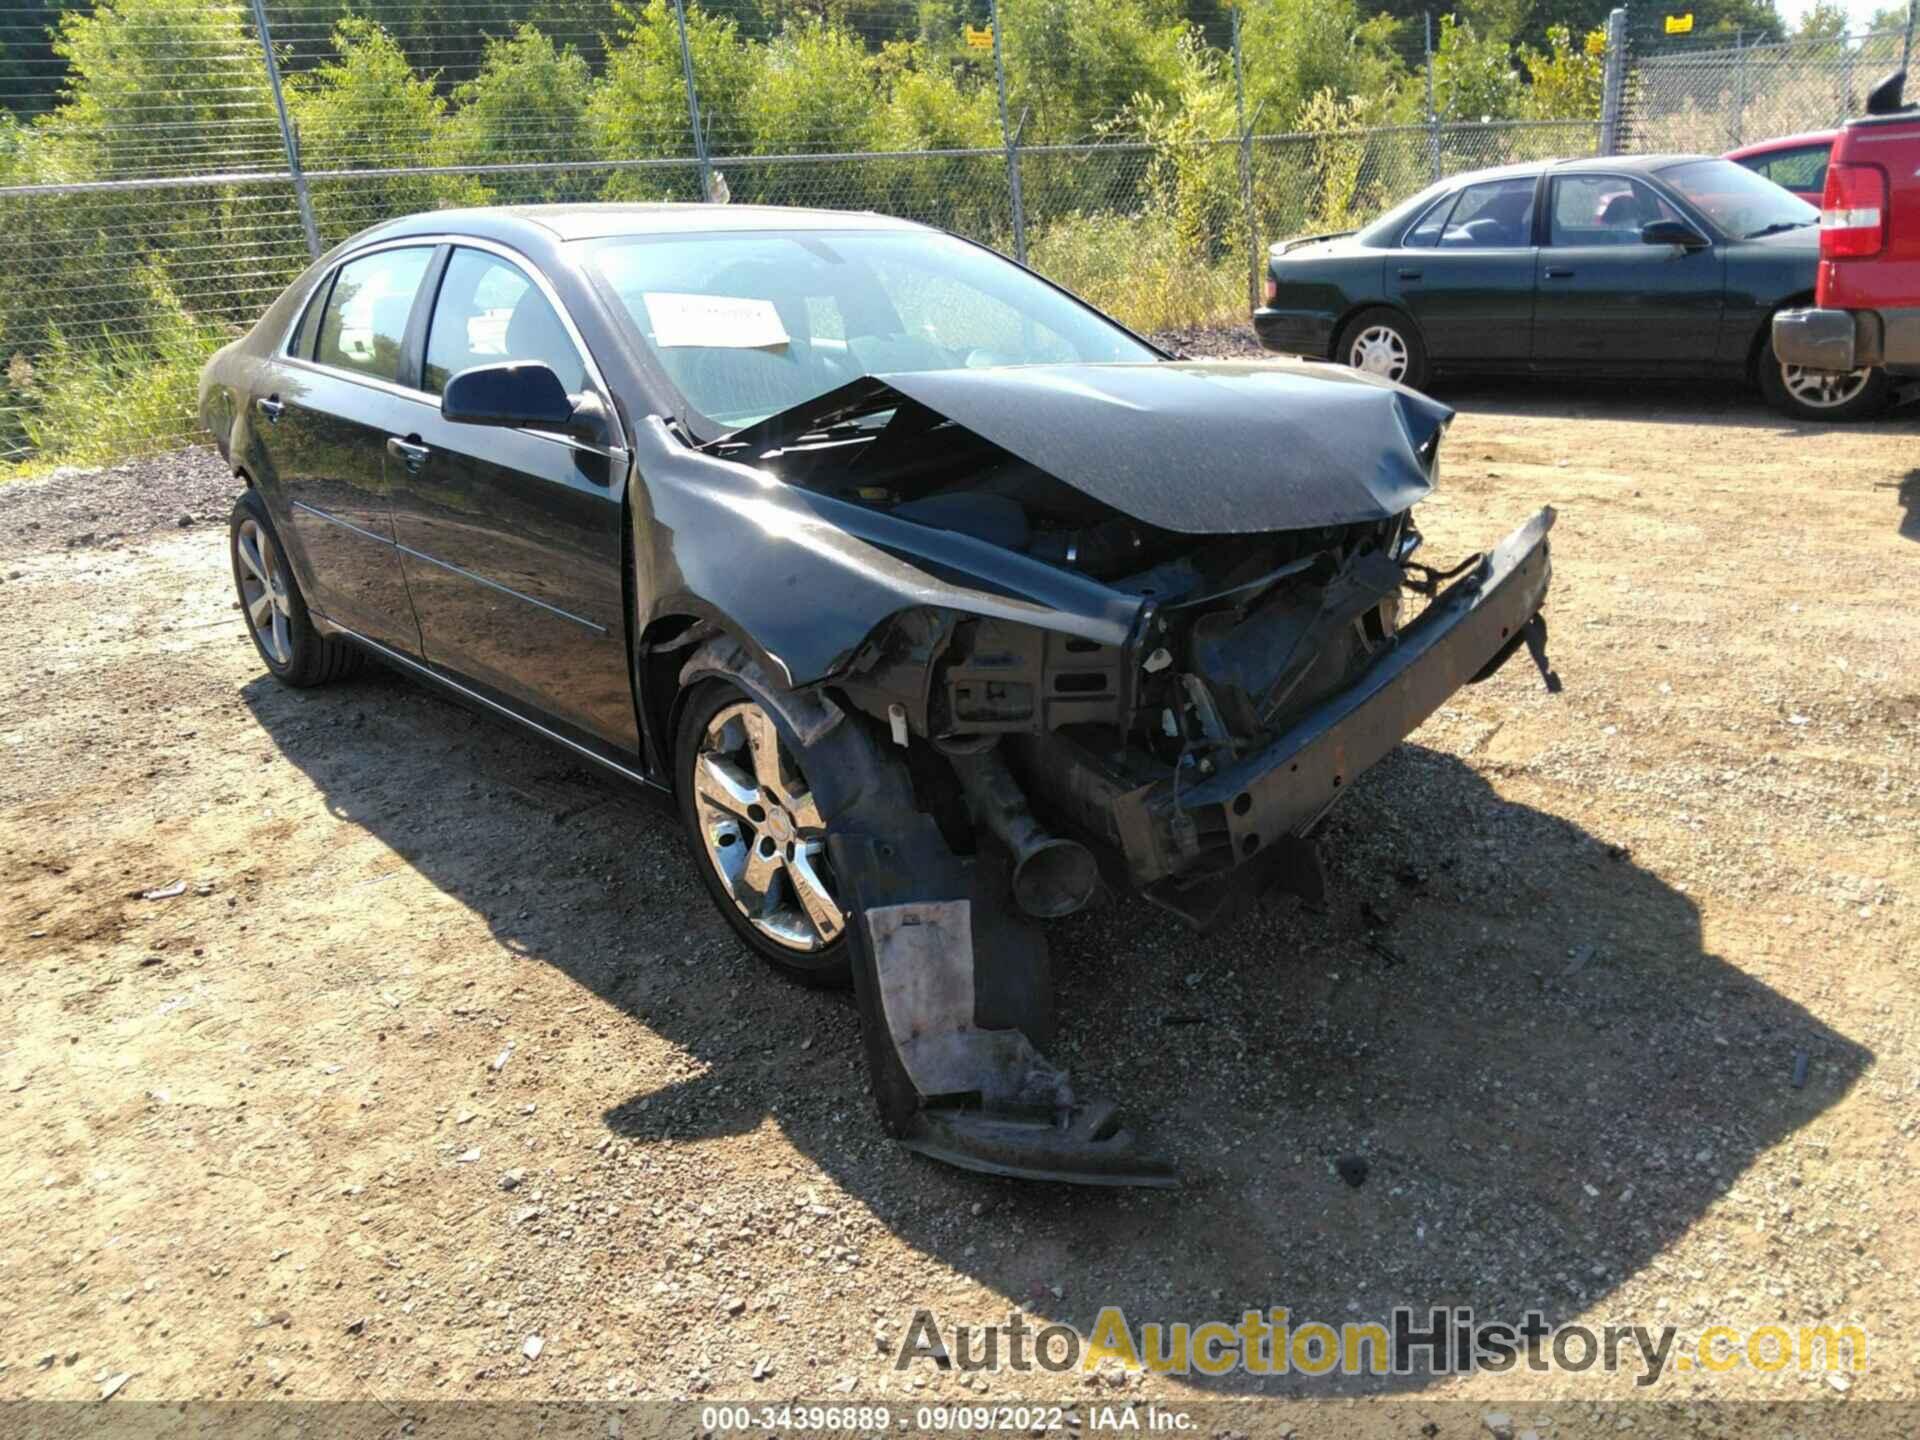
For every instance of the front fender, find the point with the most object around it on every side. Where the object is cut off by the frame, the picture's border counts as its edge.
(803, 579)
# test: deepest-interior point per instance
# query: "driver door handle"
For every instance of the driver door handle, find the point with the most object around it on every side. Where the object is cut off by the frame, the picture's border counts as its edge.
(1559, 272)
(270, 406)
(1407, 274)
(409, 453)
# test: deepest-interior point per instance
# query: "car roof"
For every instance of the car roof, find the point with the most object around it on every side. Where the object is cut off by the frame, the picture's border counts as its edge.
(549, 223)
(1785, 142)
(1580, 164)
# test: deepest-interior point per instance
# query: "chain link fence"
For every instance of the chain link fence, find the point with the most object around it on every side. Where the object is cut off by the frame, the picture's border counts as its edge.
(168, 166)
(1717, 92)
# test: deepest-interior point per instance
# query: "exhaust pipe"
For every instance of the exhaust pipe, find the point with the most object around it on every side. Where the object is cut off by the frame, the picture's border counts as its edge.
(1051, 877)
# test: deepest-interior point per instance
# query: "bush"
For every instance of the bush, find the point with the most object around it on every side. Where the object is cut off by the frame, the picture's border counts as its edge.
(1138, 270)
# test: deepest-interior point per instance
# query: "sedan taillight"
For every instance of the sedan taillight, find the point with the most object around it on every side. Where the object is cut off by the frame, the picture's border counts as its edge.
(1273, 289)
(1853, 212)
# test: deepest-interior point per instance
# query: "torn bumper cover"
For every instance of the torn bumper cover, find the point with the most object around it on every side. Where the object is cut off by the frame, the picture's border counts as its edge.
(1199, 828)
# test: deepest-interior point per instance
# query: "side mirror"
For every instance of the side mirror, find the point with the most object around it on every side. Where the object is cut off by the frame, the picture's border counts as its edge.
(520, 392)
(1673, 232)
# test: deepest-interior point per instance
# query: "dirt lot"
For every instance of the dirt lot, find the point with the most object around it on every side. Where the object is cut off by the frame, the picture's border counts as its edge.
(441, 1047)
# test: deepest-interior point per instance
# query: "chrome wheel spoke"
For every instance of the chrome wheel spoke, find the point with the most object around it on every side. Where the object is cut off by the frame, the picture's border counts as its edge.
(822, 909)
(763, 743)
(805, 811)
(717, 783)
(260, 609)
(282, 645)
(760, 879)
(249, 548)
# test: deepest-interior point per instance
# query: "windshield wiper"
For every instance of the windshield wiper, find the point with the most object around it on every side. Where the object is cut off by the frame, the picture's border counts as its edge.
(1778, 227)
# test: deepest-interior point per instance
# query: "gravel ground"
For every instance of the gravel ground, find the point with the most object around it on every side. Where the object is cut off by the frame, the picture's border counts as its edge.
(442, 1049)
(71, 509)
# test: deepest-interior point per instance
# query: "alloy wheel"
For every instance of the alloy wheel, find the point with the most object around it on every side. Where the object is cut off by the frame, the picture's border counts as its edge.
(1823, 389)
(763, 832)
(1379, 350)
(263, 591)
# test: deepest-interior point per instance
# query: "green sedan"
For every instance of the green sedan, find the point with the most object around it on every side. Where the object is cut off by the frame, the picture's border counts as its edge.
(1629, 266)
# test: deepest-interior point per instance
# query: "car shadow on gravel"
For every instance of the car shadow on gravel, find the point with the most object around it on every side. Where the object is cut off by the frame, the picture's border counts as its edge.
(1909, 493)
(1507, 1026)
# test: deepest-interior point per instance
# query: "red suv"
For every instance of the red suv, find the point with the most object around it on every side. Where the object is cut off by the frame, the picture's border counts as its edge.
(1868, 291)
(1793, 162)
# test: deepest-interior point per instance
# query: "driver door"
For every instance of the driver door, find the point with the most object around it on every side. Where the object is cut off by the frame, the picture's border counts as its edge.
(1606, 300)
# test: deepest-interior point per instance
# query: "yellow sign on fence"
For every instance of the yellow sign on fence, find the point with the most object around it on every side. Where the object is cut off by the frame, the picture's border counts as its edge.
(980, 39)
(1680, 24)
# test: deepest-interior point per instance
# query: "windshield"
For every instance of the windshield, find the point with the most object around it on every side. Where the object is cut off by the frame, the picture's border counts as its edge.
(747, 324)
(1741, 203)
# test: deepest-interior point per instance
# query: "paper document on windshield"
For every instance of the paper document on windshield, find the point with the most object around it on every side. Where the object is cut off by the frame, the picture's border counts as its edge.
(731, 322)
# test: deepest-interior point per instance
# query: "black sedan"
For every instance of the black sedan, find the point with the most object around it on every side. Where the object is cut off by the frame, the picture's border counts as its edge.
(925, 592)
(1628, 266)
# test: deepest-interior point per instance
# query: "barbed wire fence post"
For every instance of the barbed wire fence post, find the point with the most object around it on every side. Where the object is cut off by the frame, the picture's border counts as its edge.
(287, 134)
(1433, 115)
(1613, 91)
(1009, 137)
(701, 158)
(1906, 43)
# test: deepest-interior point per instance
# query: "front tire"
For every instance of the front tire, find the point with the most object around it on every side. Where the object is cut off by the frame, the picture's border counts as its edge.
(1822, 394)
(1386, 343)
(275, 612)
(758, 834)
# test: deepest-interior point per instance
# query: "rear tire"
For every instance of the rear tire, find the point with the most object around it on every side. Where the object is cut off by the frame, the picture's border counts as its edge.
(1384, 342)
(1821, 395)
(272, 607)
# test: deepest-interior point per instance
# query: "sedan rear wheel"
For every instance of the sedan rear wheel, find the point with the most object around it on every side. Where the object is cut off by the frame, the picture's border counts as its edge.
(275, 611)
(1822, 394)
(1383, 342)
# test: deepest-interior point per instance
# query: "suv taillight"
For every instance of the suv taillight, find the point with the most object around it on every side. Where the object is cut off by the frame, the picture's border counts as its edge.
(1853, 212)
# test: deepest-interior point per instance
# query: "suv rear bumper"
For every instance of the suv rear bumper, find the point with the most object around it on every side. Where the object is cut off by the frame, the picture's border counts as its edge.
(1826, 339)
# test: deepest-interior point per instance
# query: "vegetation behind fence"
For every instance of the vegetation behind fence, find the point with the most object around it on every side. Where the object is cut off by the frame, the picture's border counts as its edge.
(1142, 152)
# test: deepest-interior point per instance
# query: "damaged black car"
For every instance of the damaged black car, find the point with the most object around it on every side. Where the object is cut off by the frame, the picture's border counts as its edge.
(937, 602)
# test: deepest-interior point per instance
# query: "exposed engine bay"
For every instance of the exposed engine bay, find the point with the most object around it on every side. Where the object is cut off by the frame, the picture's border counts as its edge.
(1264, 659)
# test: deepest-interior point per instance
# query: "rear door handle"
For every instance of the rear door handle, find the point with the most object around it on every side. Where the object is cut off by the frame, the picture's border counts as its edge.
(1409, 274)
(270, 406)
(1559, 272)
(409, 453)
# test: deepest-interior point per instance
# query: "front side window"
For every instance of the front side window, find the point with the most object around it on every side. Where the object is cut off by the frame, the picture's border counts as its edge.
(1493, 214)
(366, 316)
(747, 324)
(1427, 230)
(1603, 210)
(488, 313)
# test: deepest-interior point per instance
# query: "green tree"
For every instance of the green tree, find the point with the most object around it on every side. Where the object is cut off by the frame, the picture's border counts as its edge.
(1823, 20)
(815, 92)
(639, 108)
(1294, 49)
(1473, 74)
(1074, 64)
(528, 103)
(368, 110)
(1566, 81)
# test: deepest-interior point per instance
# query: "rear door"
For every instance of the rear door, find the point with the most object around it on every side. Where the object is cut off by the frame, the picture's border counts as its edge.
(1607, 300)
(1465, 272)
(512, 539)
(326, 426)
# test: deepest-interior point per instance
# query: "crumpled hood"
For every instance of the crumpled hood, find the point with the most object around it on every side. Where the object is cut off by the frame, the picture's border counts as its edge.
(1199, 447)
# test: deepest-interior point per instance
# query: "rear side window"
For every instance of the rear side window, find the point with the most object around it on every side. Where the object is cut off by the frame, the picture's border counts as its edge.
(1802, 169)
(365, 320)
(1491, 215)
(487, 313)
(1426, 230)
(301, 344)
